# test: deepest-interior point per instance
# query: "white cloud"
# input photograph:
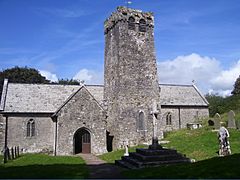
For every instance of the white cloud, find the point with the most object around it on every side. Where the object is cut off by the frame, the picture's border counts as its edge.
(50, 76)
(89, 76)
(226, 78)
(206, 71)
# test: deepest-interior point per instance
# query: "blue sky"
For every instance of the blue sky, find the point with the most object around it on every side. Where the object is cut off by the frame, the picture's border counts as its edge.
(64, 39)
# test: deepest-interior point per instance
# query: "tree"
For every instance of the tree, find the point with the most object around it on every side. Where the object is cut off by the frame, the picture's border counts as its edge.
(236, 89)
(215, 104)
(22, 75)
(68, 82)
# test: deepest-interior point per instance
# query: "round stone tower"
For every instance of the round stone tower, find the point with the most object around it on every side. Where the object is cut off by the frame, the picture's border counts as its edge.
(130, 76)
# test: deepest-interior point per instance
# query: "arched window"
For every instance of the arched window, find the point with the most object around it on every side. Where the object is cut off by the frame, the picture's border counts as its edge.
(131, 23)
(169, 119)
(142, 25)
(141, 124)
(30, 128)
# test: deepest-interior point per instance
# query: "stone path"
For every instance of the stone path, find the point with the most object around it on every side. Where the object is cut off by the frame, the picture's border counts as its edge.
(100, 169)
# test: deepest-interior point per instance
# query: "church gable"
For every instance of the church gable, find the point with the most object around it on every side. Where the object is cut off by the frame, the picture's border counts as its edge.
(81, 112)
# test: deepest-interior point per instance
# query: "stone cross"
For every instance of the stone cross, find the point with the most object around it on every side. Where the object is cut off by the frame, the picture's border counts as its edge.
(224, 146)
(125, 144)
(154, 113)
(231, 119)
(217, 119)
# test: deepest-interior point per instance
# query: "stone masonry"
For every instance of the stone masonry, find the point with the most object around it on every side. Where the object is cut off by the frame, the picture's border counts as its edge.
(130, 76)
(101, 117)
(91, 117)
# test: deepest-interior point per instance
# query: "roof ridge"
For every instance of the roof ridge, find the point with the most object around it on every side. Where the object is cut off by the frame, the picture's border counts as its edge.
(165, 84)
(44, 84)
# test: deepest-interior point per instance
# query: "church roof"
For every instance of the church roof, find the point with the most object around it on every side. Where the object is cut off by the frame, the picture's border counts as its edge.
(47, 98)
(42, 97)
(181, 95)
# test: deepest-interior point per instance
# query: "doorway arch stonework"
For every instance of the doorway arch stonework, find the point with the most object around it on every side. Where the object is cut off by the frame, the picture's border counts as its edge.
(82, 141)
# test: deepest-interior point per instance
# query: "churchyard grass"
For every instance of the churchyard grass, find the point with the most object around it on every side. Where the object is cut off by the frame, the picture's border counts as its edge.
(200, 144)
(214, 168)
(43, 166)
(115, 155)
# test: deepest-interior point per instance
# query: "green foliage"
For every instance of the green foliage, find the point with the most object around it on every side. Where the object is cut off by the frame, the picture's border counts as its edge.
(218, 104)
(236, 89)
(37, 166)
(115, 155)
(68, 82)
(21, 75)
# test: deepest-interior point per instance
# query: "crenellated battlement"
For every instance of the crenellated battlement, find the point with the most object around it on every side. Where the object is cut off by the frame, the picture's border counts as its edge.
(124, 13)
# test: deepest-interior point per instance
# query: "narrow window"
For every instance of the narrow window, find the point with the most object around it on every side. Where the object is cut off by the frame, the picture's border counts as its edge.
(131, 23)
(141, 121)
(33, 128)
(142, 25)
(168, 119)
(30, 128)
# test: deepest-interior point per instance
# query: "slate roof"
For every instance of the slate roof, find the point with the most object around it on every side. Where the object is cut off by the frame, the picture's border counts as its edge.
(181, 95)
(47, 98)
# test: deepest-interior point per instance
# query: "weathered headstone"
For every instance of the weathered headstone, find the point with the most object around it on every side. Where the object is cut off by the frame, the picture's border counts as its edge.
(12, 153)
(18, 151)
(210, 122)
(238, 124)
(224, 145)
(125, 143)
(231, 119)
(15, 152)
(217, 119)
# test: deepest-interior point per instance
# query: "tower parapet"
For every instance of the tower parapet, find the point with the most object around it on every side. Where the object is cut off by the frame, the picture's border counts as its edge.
(125, 14)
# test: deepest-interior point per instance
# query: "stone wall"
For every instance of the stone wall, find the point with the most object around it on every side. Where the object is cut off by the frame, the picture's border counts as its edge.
(43, 140)
(81, 111)
(2, 132)
(130, 77)
(187, 115)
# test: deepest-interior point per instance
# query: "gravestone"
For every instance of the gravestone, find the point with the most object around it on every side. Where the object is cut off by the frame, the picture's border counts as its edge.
(238, 124)
(231, 119)
(210, 122)
(125, 144)
(217, 119)
(224, 145)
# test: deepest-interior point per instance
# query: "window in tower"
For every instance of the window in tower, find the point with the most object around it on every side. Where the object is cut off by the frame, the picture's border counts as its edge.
(142, 25)
(131, 23)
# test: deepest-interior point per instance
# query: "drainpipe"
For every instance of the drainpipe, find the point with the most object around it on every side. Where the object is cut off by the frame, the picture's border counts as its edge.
(5, 142)
(54, 118)
(179, 117)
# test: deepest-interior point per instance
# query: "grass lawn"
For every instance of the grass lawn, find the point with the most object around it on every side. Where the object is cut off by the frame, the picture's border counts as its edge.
(200, 144)
(42, 166)
(115, 155)
(217, 167)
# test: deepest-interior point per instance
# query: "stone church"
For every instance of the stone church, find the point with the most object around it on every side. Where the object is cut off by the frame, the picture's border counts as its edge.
(71, 119)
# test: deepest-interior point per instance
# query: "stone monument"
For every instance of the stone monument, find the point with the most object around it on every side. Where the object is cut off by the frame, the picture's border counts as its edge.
(217, 119)
(125, 144)
(231, 120)
(155, 155)
(224, 146)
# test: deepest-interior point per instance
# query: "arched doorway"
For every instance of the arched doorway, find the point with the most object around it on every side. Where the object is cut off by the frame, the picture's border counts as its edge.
(82, 141)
